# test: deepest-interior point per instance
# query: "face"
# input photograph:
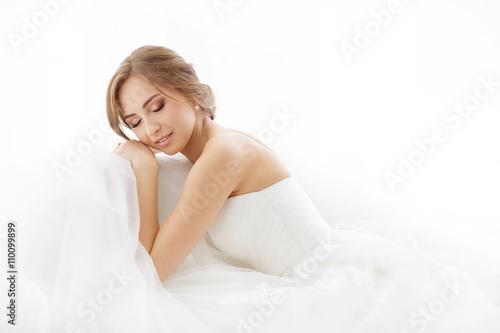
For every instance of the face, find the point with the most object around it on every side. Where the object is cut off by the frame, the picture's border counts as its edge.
(153, 117)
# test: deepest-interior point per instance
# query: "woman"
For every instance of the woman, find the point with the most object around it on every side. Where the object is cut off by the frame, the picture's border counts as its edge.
(218, 238)
(177, 116)
(241, 199)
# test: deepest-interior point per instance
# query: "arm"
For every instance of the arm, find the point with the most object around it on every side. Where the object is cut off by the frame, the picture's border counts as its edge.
(145, 167)
(195, 210)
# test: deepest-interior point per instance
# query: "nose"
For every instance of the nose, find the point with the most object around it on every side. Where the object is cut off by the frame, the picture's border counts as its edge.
(151, 127)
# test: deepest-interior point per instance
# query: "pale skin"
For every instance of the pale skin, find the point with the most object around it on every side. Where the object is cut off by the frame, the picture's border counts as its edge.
(248, 164)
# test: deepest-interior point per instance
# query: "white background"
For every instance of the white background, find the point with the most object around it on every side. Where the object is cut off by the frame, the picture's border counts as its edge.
(353, 115)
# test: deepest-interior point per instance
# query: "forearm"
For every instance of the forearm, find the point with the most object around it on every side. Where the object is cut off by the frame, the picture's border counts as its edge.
(147, 191)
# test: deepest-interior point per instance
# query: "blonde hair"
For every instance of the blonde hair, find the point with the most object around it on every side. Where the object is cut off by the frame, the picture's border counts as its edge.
(161, 67)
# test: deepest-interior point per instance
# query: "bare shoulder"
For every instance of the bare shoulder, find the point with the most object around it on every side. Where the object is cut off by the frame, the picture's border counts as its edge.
(254, 165)
(232, 152)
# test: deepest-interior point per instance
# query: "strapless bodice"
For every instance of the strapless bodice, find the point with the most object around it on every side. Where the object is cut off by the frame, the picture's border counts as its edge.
(270, 229)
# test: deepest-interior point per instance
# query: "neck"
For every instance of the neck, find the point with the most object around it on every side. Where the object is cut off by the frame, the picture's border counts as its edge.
(194, 147)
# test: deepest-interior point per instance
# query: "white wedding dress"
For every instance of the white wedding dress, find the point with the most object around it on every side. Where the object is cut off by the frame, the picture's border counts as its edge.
(269, 263)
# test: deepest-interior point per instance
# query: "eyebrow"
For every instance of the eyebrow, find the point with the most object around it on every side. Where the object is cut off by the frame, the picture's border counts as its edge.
(143, 106)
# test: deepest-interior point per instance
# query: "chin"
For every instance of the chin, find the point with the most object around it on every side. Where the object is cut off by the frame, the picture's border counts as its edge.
(169, 154)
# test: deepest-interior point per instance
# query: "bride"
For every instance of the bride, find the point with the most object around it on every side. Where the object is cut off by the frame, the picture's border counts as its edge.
(200, 228)
(157, 95)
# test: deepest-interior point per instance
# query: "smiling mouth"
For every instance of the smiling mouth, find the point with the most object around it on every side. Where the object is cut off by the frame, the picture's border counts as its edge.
(165, 138)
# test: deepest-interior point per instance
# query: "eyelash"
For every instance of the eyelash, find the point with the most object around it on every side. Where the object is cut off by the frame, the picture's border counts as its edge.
(161, 107)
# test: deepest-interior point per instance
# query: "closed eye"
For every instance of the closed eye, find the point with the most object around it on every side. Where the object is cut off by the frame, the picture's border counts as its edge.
(159, 108)
(156, 110)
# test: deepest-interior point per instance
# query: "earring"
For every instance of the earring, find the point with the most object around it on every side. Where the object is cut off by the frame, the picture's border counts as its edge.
(196, 107)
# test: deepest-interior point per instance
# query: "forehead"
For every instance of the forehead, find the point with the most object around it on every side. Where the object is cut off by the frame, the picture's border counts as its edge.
(133, 93)
(136, 90)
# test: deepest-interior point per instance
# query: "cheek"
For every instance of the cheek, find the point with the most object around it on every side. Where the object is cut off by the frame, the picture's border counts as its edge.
(178, 121)
(187, 122)
(140, 133)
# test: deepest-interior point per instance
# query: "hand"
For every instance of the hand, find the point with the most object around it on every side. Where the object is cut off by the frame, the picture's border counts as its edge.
(136, 152)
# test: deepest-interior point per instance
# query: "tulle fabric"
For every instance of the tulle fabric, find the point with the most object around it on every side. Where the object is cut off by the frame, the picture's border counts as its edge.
(83, 270)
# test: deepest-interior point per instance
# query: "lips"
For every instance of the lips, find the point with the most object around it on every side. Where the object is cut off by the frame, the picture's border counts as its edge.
(161, 138)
